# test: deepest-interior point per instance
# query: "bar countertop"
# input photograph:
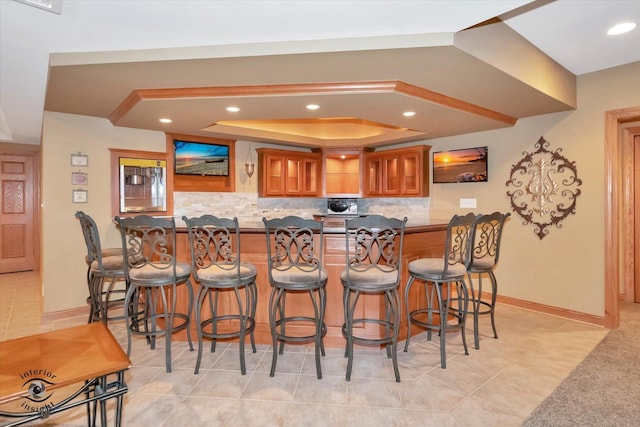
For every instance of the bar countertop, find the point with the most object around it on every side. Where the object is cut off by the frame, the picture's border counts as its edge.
(336, 225)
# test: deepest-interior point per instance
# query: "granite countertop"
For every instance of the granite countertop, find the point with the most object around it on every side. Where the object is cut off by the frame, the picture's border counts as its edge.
(334, 225)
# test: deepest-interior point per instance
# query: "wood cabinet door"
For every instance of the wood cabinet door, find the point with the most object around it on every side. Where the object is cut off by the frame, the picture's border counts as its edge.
(274, 175)
(411, 170)
(373, 176)
(391, 175)
(310, 177)
(293, 173)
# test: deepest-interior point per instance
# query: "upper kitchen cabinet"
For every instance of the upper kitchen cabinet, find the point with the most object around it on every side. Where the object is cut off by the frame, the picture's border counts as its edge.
(401, 172)
(342, 169)
(288, 173)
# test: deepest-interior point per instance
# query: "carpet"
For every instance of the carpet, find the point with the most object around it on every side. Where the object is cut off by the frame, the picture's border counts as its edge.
(604, 389)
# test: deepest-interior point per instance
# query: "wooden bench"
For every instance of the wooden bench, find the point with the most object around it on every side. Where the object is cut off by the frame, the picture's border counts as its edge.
(41, 375)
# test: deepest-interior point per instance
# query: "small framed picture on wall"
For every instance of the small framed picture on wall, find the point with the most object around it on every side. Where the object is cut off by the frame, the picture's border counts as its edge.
(79, 178)
(81, 160)
(80, 196)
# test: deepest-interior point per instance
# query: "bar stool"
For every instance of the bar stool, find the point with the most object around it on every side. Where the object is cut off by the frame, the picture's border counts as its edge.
(294, 253)
(154, 274)
(217, 268)
(103, 265)
(485, 251)
(374, 257)
(445, 275)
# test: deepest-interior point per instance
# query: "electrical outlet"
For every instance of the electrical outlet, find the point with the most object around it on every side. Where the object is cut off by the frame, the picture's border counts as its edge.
(468, 203)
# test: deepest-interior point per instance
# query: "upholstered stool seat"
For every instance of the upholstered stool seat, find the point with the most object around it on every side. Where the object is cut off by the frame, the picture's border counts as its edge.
(431, 268)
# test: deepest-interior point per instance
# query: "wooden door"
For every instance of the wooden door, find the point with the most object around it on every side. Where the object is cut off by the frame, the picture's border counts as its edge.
(16, 214)
(636, 191)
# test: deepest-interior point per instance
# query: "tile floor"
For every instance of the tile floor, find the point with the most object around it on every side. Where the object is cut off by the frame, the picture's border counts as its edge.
(500, 384)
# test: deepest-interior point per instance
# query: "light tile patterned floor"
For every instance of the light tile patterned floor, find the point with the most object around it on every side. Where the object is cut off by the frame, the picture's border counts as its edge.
(500, 384)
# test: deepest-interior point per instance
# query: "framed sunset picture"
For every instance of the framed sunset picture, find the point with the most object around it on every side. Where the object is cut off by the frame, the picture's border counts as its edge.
(462, 165)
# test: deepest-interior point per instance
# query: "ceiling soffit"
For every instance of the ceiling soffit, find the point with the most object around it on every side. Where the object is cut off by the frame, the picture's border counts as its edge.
(455, 89)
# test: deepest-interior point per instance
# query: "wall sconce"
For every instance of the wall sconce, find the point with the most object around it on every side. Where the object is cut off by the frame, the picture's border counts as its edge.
(249, 166)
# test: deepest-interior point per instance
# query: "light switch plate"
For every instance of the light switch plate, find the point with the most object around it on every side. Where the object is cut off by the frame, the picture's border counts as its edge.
(468, 203)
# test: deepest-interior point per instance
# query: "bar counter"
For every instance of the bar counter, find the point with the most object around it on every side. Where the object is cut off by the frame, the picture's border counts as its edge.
(423, 239)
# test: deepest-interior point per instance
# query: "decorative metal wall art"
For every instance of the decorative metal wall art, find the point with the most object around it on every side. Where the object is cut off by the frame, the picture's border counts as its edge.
(543, 188)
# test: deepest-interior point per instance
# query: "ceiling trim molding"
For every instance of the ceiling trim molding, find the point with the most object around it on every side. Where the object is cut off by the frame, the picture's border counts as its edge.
(389, 86)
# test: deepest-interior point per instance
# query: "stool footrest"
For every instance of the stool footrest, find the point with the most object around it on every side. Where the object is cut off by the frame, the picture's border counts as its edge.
(249, 322)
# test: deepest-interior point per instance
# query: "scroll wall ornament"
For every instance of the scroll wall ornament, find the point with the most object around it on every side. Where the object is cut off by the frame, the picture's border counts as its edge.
(543, 188)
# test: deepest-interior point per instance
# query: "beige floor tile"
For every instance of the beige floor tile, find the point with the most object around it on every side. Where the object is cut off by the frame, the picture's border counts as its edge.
(316, 415)
(499, 384)
(390, 417)
(280, 387)
(374, 392)
(328, 390)
(223, 384)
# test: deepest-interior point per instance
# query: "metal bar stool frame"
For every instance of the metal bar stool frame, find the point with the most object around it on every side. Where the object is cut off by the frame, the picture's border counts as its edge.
(440, 277)
(295, 254)
(153, 274)
(217, 268)
(102, 265)
(485, 252)
(373, 260)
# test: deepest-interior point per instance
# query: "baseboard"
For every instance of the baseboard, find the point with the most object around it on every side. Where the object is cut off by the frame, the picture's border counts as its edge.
(70, 313)
(554, 311)
(533, 306)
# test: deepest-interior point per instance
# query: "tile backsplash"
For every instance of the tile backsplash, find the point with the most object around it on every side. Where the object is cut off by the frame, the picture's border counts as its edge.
(248, 207)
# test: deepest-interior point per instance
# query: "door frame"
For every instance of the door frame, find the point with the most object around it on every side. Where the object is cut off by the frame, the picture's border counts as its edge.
(616, 201)
(33, 151)
(629, 134)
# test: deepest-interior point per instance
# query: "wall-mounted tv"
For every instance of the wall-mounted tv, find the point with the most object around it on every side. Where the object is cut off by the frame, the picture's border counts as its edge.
(199, 158)
(464, 165)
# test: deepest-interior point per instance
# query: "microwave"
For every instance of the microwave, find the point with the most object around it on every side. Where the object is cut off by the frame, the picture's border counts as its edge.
(343, 207)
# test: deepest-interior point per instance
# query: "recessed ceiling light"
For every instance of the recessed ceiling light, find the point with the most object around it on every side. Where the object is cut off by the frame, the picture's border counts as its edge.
(409, 113)
(625, 27)
(313, 107)
(233, 109)
(163, 120)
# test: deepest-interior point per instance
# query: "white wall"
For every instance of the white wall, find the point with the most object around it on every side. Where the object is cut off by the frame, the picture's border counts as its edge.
(565, 269)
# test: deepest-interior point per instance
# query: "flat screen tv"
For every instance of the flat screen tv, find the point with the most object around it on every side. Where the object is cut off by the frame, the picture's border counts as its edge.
(464, 165)
(202, 159)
